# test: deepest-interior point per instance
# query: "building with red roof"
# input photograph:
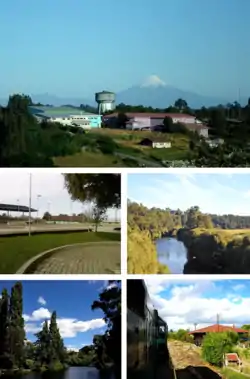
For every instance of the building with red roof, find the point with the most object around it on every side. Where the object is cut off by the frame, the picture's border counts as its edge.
(154, 121)
(199, 334)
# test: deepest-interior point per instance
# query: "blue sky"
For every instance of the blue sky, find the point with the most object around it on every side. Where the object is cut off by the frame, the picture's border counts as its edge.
(71, 300)
(48, 194)
(213, 193)
(182, 303)
(73, 48)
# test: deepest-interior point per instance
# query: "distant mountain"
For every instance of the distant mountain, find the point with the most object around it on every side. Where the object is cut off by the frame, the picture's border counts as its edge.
(164, 96)
(56, 100)
(153, 92)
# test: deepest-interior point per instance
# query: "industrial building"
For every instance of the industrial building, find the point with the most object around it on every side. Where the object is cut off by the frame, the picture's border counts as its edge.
(154, 121)
(67, 116)
(105, 101)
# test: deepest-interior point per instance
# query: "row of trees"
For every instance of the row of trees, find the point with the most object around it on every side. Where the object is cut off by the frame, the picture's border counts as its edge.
(48, 351)
(160, 221)
(24, 142)
(231, 110)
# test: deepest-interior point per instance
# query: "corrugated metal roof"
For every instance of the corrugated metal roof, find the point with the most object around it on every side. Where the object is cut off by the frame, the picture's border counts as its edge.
(15, 208)
(58, 111)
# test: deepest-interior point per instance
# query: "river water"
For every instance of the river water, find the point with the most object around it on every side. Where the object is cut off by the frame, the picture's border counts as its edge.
(71, 373)
(172, 253)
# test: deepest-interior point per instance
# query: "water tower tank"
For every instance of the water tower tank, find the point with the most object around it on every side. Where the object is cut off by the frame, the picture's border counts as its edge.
(105, 101)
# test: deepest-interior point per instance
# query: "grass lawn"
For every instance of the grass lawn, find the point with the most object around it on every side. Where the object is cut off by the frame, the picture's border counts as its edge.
(231, 374)
(15, 251)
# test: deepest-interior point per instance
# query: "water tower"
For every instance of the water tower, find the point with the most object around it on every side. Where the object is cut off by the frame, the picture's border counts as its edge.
(105, 101)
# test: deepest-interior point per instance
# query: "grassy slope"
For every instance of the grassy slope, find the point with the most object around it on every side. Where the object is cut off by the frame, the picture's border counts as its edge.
(15, 251)
(127, 142)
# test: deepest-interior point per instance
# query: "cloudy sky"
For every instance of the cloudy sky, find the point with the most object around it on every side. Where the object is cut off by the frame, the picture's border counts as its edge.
(184, 303)
(48, 193)
(71, 300)
(213, 193)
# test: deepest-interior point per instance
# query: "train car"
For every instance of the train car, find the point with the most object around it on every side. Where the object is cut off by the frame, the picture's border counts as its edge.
(146, 331)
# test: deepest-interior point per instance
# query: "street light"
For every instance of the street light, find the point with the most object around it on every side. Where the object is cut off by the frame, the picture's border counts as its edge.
(38, 197)
(18, 207)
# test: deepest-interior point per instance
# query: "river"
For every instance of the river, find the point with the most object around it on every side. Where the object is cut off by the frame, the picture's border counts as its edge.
(172, 253)
(70, 373)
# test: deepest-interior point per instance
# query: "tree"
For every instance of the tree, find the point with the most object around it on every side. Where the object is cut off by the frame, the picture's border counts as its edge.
(99, 215)
(56, 342)
(16, 325)
(103, 189)
(218, 122)
(121, 121)
(43, 345)
(47, 216)
(181, 104)
(168, 125)
(4, 330)
(110, 304)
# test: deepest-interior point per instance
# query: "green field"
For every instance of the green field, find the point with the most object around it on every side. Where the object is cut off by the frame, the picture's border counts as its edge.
(89, 159)
(128, 145)
(15, 251)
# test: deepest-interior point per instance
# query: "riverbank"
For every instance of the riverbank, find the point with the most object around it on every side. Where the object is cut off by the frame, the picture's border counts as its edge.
(216, 251)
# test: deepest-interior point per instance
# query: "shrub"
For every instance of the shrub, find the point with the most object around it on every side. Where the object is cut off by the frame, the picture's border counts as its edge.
(215, 345)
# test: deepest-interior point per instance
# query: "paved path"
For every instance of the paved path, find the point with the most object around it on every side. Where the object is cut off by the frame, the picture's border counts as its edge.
(85, 259)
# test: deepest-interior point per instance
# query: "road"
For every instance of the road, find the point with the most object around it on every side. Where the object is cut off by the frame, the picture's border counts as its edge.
(19, 229)
(140, 161)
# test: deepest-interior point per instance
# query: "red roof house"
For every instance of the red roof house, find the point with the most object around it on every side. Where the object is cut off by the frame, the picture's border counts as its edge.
(199, 334)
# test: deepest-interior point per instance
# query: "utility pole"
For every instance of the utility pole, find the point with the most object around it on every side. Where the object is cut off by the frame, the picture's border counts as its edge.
(218, 321)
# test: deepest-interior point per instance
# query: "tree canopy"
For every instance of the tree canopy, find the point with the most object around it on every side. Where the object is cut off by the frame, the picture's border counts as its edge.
(102, 189)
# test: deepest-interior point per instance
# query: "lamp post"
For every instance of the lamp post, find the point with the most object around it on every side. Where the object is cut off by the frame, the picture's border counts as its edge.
(38, 197)
(18, 206)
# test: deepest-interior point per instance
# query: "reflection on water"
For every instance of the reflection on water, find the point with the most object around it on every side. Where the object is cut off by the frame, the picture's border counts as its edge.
(71, 373)
(172, 253)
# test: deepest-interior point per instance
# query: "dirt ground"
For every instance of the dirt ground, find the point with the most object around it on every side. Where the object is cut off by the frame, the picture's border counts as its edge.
(185, 354)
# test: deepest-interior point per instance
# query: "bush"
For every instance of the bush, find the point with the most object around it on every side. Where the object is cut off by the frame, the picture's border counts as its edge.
(56, 366)
(106, 144)
(215, 345)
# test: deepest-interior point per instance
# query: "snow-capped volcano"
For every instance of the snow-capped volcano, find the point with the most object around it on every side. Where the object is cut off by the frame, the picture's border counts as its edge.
(153, 81)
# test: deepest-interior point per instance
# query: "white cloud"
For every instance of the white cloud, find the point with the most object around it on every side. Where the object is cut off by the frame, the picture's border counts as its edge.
(153, 81)
(69, 328)
(41, 300)
(38, 314)
(187, 305)
(32, 328)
